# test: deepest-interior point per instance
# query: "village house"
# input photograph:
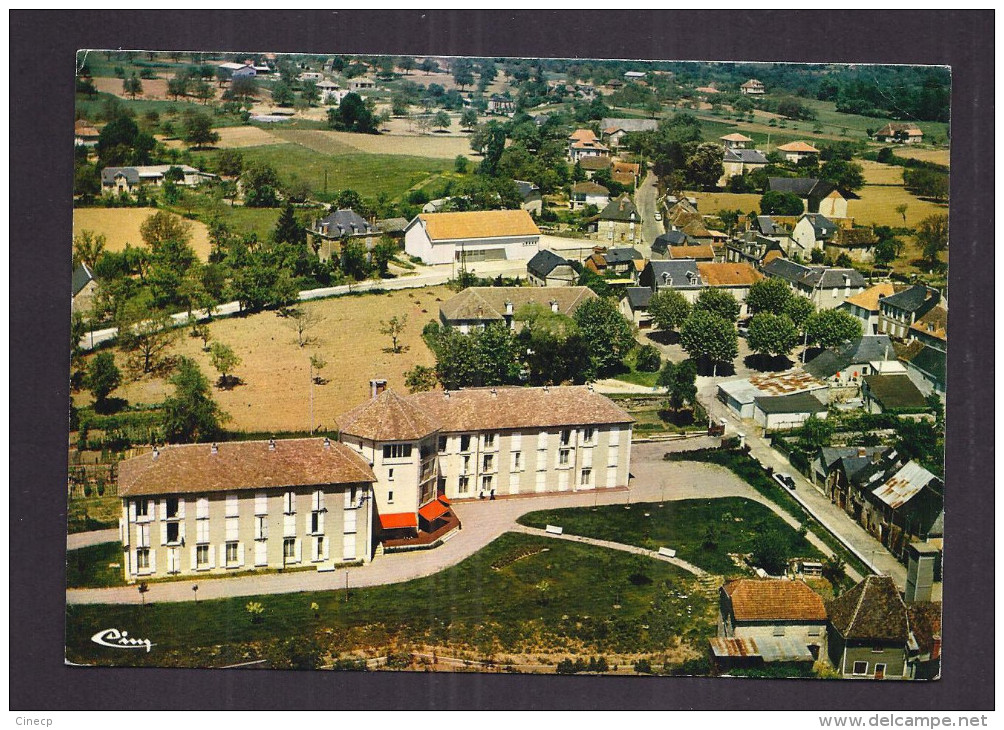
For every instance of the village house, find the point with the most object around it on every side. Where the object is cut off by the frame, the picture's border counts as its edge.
(925, 625)
(736, 279)
(812, 232)
(752, 87)
(361, 83)
(892, 391)
(827, 287)
(735, 141)
(625, 173)
(843, 367)
(501, 105)
(613, 260)
(932, 328)
(818, 196)
(427, 449)
(926, 366)
(85, 134)
(583, 143)
(668, 240)
(83, 288)
(900, 133)
(614, 128)
(702, 252)
(533, 203)
(331, 93)
(238, 70)
(633, 305)
(208, 509)
(478, 306)
(328, 235)
(898, 312)
(865, 305)
(740, 395)
(490, 235)
(682, 275)
(798, 151)
(547, 268)
(119, 180)
(869, 633)
(588, 193)
(740, 161)
(856, 242)
(618, 222)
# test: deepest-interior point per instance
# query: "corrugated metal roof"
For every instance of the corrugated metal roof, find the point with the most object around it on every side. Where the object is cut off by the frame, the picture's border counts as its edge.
(904, 485)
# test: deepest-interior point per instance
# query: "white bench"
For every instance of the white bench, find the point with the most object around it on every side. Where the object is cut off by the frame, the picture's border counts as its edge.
(667, 552)
(553, 529)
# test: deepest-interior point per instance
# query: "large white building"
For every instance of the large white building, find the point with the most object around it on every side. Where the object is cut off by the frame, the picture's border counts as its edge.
(489, 235)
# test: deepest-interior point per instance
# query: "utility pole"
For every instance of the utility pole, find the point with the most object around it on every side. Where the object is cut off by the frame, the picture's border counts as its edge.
(311, 371)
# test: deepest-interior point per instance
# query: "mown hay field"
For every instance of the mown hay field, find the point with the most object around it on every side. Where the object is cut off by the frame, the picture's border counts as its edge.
(121, 226)
(877, 206)
(330, 142)
(275, 371)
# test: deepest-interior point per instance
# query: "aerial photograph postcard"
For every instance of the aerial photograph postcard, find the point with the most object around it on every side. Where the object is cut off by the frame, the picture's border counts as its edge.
(507, 365)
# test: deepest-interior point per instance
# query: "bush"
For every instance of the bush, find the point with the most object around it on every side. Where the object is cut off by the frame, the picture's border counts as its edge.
(648, 359)
(643, 666)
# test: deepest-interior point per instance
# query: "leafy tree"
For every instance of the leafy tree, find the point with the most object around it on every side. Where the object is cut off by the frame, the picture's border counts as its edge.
(703, 166)
(310, 93)
(468, 119)
(494, 146)
(230, 162)
(191, 414)
(393, 328)
(441, 120)
(932, 236)
(428, 65)
(352, 115)
(288, 229)
(707, 336)
(383, 253)
(769, 295)
(798, 309)
(170, 257)
(132, 86)
(669, 309)
(814, 434)
(926, 183)
(225, 360)
(648, 359)
(608, 334)
(203, 91)
(178, 86)
(771, 552)
(242, 89)
(88, 247)
(680, 382)
(831, 327)
(420, 379)
(86, 181)
(776, 203)
(144, 333)
(463, 72)
(772, 334)
(102, 378)
(282, 94)
(303, 321)
(885, 252)
(719, 302)
(354, 260)
(261, 186)
(406, 64)
(844, 174)
(199, 130)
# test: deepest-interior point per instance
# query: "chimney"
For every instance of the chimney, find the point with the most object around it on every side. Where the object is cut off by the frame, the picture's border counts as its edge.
(920, 571)
(271, 444)
(508, 307)
(495, 393)
(554, 305)
(862, 451)
(446, 394)
(214, 449)
(377, 386)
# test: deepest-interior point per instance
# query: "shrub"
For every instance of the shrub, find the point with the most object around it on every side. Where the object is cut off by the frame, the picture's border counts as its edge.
(643, 666)
(648, 359)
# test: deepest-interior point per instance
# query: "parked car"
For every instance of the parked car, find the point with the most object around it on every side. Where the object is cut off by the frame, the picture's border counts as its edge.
(658, 216)
(784, 480)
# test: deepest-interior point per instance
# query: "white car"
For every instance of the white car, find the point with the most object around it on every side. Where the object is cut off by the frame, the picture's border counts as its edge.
(658, 216)
(784, 480)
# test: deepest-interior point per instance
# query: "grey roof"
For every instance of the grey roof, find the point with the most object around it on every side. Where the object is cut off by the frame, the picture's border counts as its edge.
(911, 299)
(638, 296)
(865, 349)
(895, 392)
(392, 225)
(82, 276)
(794, 403)
(672, 238)
(750, 157)
(620, 209)
(784, 269)
(621, 255)
(526, 189)
(768, 227)
(801, 186)
(823, 277)
(544, 262)
(108, 174)
(931, 361)
(343, 222)
(682, 273)
(822, 226)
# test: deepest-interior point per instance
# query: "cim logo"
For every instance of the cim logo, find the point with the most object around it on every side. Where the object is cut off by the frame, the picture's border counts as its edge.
(115, 639)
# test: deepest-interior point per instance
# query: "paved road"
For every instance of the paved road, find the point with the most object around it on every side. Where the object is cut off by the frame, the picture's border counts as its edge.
(79, 540)
(834, 519)
(646, 198)
(654, 480)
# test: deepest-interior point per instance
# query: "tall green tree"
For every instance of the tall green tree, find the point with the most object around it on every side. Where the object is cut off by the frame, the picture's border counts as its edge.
(769, 295)
(705, 335)
(798, 309)
(607, 333)
(772, 334)
(352, 115)
(199, 130)
(680, 382)
(719, 302)
(831, 327)
(191, 414)
(932, 236)
(777, 203)
(102, 378)
(225, 360)
(261, 186)
(669, 309)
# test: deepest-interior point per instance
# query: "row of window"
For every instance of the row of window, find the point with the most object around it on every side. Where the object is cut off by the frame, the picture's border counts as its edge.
(488, 481)
(233, 554)
(173, 508)
(488, 442)
(861, 669)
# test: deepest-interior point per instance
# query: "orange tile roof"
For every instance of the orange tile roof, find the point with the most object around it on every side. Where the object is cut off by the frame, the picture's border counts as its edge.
(434, 510)
(771, 255)
(736, 137)
(868, 299)
(728, 274)
(702, 253)
(933, 324)
(777, 600)
(478, 224)
(242, 465)
(388, 417)
(797, 147)
(583, 135)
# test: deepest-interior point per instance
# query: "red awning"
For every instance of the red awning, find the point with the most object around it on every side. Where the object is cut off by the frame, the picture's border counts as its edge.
(442, 498)
(398, 520)
(434, 510)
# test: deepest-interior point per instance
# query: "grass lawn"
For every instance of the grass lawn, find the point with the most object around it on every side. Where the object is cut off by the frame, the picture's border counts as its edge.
(367, 174)
(682, 525)
(749, 470)
(92, 513)
(638, 378)
(713, 202)
(521, 593)
(275, 391)
(830, 119)
(89, 106)
(877, 206)
(91, 567)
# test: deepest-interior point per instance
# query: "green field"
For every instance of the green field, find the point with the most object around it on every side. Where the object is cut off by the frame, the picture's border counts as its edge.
(93, 513)
(88, 107)
(832, 120)
(367, 174)
(732, 523)
(541, 595)
(91, 567)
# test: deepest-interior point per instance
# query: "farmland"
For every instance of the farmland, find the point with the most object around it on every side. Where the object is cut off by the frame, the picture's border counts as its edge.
(877, 206)
(121, 226)
(275, 372)
(329, 142)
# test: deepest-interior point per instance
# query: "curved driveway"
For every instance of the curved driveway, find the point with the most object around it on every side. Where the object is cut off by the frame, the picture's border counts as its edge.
(483, 521)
